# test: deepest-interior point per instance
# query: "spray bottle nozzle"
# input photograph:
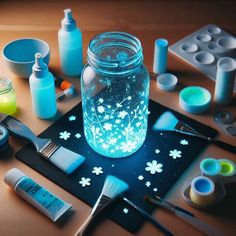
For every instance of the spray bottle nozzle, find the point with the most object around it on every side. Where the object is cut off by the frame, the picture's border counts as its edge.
(68, 15)
(68, 23)
(39, 68)
(38, 59)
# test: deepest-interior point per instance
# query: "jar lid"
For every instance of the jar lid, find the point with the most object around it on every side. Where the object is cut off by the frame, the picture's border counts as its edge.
(3, 136)
(5, 85)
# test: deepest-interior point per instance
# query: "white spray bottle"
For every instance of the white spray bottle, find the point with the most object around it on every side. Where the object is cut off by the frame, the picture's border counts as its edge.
(70, 46)
(42, 89)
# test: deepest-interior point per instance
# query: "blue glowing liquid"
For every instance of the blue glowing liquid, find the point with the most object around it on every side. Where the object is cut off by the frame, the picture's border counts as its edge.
(115, 111)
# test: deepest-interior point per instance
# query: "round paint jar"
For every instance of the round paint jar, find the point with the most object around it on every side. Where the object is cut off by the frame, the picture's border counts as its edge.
(115, 93)
(202, 191)
(7, 97)
(3, 139)
(228, 171)
(210, 167)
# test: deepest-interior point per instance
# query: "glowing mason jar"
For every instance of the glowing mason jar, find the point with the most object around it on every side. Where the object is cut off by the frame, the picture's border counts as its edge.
(115, 92)
(7, 97)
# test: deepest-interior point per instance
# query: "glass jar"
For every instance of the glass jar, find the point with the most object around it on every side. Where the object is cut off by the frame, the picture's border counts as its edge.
(7, 97)
(115, 93)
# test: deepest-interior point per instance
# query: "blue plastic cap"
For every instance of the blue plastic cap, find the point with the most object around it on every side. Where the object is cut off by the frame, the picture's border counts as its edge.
(161, 43)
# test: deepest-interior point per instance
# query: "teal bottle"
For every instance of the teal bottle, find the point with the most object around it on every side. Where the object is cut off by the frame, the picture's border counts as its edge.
(42, 89)
(115, 93)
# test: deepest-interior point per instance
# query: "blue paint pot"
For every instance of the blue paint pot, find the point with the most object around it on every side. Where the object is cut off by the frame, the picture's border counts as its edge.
(3, 138)
(210, 167)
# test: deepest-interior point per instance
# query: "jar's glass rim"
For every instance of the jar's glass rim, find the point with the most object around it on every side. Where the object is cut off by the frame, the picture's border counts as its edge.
(134, 44)
(5, 85)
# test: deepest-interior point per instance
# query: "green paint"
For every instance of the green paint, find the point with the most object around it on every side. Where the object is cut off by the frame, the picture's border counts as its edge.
(226, 168)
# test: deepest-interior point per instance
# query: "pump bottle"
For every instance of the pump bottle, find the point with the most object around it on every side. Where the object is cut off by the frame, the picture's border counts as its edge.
(70, 46)
(42, 89)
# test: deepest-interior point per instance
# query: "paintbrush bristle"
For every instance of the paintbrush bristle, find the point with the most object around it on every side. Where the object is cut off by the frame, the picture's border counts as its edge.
(166, 122)
(113, 187)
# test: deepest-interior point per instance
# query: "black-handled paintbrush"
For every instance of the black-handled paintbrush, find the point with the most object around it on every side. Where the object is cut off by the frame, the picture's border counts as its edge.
(168, 122)
(111, 189)
(64, 159)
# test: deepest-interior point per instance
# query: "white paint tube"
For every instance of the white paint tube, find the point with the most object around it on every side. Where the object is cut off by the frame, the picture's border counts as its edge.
(46, 202)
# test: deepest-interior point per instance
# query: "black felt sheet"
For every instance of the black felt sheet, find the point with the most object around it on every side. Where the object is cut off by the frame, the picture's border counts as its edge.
(127, 169)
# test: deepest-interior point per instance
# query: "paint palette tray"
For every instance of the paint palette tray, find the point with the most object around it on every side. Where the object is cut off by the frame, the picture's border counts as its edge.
(203, 48)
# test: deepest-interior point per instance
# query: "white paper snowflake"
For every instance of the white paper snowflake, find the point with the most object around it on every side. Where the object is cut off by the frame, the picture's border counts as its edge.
(184, 142)
(97, 170)
(125, 210)
(157, 151)
(107, 126)
(148, 184)
(175, 154)
(72, 118)
(101, 109)
(64, 135)
(154, 167)
(122, 114)
(78, 135)
(140, 177)
(84, 182)
(100, 100)
(128, 146)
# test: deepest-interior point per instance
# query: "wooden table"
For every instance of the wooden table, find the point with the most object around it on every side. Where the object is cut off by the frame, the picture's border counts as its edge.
(147, 20)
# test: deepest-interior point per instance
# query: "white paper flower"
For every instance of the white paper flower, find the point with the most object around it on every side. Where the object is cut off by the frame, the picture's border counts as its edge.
(107, 126)
(64, 135)
(157, 151)
(125, 210)
(84, 182)
(78, 135)
(148, 184)
(97, 170)
(72, 118)
(154, 167)
(128, 146)
(122, 114)
(112, 141)
(155, 190)
(100, 100)
(140, 177)
(184, 142)
(175, 154)
(101, 109)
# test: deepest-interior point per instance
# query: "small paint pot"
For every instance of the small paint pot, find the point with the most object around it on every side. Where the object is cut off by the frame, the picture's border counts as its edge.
(195, 99)
(166, 81)
(202, 191)
(210, 167)
(228, 171)
(3, 139)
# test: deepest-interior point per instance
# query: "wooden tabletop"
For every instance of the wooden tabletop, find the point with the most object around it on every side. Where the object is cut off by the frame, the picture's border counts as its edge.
(147, 20)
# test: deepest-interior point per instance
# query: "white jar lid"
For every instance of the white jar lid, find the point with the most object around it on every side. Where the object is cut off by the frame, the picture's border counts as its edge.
(13, 176)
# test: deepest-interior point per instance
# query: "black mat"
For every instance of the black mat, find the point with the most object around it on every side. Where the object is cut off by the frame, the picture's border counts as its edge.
(156, 147)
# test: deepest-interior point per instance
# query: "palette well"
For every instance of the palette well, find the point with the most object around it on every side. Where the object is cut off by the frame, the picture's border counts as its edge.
(152, 170)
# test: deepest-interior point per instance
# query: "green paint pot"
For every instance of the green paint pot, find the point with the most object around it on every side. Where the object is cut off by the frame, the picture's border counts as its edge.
(228, 167)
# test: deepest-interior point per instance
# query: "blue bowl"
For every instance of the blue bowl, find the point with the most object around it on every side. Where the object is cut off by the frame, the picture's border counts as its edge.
(19, 55)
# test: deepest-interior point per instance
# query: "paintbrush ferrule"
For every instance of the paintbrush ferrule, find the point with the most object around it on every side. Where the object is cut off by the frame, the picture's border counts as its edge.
(49, 149)
(102, 202)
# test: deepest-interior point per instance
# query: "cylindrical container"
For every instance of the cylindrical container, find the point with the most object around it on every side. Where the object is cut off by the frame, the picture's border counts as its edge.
(228, 171)
(7, 97)
(202, 191)
(70, 46)
(115, 91)
(160, 56)
(42, 89)
(3, 139)
(210, 167)
(225, 77)
(46, 202)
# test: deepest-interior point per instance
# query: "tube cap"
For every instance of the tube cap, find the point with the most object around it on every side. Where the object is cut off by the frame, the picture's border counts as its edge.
(68, 23)
(13, 176)
(40, 69)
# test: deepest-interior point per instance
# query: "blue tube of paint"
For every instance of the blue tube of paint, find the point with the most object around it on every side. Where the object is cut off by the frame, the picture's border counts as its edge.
(160, 56)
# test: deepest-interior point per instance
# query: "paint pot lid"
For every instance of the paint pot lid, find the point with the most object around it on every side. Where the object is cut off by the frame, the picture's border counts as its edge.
(210, 166)
(224, 117)
(166, 81)
(13, 176)
(3, 135)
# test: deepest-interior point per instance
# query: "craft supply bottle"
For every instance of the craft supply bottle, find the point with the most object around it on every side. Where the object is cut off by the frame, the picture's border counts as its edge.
(225, 77)
(42, 89)
(70, 46)
(46, 202)
(7, 97)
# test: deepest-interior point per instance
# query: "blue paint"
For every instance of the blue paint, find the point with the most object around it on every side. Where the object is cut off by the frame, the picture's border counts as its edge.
(203, 186)
(167, 121)
(210, 166)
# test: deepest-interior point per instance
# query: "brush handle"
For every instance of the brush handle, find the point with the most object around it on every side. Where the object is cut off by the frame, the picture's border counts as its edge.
(85, 226)
(225, 146)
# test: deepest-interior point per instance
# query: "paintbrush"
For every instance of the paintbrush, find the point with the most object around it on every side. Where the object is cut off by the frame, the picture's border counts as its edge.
(59, 156)
(111, 189)
(184, 215)
(168, 122)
